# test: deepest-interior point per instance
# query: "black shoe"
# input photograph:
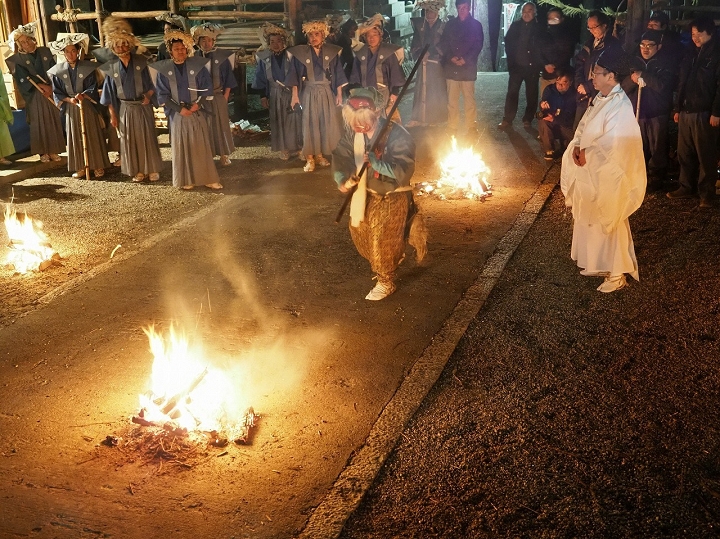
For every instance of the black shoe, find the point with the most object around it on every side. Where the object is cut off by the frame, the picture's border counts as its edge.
(504, 124)
(680, 192)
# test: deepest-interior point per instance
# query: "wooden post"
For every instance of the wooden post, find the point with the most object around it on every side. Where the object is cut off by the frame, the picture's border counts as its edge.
(294, 8)
(173, 6)
(638, 13)
(68, 8)
(98, 19)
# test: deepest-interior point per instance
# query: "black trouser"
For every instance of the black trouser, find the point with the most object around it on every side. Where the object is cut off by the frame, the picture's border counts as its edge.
(549, 132)
(697, 153)
(530, 76)
(654, 133)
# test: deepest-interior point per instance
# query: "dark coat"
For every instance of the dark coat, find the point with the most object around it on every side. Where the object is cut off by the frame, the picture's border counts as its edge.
(523, 45)
(699, 86)
(558, 48)
(657, 95)
(586, 58)
(465, 40)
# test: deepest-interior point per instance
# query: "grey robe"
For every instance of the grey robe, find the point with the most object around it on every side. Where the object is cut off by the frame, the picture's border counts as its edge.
(219, 121)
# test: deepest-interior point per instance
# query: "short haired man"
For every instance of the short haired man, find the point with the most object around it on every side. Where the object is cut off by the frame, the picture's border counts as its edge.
(697, 113)
(558, 114)
(652, 104)
(460, 47)
(672, 46)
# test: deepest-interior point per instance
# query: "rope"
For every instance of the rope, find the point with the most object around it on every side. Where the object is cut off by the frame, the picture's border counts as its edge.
(68, 15)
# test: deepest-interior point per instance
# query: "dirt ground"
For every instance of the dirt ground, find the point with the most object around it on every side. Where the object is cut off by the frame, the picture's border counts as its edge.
(565, 412)
(274, 291)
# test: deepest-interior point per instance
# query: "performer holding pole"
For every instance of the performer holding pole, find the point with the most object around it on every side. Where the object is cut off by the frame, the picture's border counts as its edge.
(74, 82)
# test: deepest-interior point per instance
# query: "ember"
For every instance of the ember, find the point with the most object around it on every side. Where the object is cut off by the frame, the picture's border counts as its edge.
(30, 249)
(464, 175)
(188, 395)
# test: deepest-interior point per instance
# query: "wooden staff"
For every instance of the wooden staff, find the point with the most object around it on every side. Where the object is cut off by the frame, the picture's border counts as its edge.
(381, 136)
(43, 93)
(86, 157)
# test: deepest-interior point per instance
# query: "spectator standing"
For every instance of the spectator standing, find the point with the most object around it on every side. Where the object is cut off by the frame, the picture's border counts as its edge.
(128, 92)
(558, 48)
(601, 39)
(460, 46)
(183, 85)
(270, 77)
(316, 76)
(430, 99)
(654, 106)
(672, 46)
(75, 84)
(558, 114)
(698, 115)
(378, 64)
(29, 66)
(603, 178)
(222, 63)
(522, 47)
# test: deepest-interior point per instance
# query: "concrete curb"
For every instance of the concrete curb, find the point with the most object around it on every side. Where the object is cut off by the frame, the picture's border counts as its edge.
(328, 519)
(28, 167)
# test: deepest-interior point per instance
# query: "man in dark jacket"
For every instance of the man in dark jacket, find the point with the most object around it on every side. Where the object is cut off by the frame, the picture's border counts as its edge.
(652, 104)
(601, 40)
(460, 46)
(672, 46)
(558, 48)
(558, 114)
(697, 113)
(522, 47)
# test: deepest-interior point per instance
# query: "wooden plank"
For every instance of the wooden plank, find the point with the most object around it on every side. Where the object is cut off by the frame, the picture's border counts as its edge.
(247, 15)
(189, 4)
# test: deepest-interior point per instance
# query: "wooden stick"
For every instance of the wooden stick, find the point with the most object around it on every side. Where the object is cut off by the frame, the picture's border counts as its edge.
(249, 15)
(86, 156)
(42, 93)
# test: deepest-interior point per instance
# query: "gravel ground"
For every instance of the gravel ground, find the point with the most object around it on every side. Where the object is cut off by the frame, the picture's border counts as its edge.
(565, 412)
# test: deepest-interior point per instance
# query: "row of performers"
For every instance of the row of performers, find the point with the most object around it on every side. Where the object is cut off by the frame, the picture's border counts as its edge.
(194, 91)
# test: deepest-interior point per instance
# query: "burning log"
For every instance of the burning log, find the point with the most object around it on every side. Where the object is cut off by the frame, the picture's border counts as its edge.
(30, 248)
(173, 401)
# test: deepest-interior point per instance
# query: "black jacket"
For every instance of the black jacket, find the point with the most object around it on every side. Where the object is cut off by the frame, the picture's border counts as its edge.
(656, 98)
(558, 48)
(523, 45)
(465, 40)
(586, 58)
(699, 86)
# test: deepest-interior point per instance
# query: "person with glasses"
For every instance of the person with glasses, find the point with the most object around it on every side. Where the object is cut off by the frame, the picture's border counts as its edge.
(652, 104)
(600, 27)
(697, 114)
(603, 177)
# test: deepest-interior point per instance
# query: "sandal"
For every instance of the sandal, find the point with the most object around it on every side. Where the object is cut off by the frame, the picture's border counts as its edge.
(214, 186)
(138, 178)
(99, 173)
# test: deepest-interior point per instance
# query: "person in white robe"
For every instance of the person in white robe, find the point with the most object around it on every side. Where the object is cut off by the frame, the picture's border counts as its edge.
(603, 178)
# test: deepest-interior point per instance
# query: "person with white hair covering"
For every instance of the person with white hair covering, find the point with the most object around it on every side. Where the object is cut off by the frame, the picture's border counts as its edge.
(383, 215)
(29, 66)
(316, 78)
(223, 81)
(430, 99)
(74, 85)
(273, 65)
(184, 84)
(171, 23)
(378, 64)
(603, 177)
(128, 92)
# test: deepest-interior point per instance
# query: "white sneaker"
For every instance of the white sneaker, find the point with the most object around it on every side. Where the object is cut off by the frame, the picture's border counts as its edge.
(309, 165)
(612, 283)
(380, 291)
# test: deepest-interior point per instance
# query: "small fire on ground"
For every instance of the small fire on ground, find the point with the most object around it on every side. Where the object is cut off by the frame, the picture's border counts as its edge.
(188, 396)
(30, 248)
(464, 174)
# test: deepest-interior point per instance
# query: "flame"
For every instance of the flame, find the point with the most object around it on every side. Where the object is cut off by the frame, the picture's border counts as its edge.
(185, 390)
(464, 170)
(30, 249)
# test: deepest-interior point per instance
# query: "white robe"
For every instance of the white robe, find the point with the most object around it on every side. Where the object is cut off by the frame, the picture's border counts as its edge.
(608, 188)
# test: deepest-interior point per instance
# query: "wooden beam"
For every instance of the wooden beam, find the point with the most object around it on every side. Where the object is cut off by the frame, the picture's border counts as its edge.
(73, 24)
(247, 15)
(189, 4)
(98, 13)
(78, 16)
(138, 14)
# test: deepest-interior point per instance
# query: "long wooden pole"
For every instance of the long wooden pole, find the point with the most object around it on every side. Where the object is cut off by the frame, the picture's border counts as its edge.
(187, 4)
(249, 15)
(86, 156)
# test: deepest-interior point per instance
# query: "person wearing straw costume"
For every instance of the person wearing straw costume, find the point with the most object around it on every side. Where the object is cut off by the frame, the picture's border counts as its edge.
(603, 177)
(378, 64)
(383, 214)
(74, 85)
(316, 71)
(128, 92)
(273, 65)
(223, 82)
(430, 100)
(171, 23)
(184, 84)
(29, 67)
(6, 118)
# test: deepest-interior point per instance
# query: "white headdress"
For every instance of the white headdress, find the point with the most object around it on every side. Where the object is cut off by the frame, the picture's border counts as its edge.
(27, 30)
(59, 45)
(377, 21)
(206, 29)
(316, 26)
(178, 21)
(432, 5)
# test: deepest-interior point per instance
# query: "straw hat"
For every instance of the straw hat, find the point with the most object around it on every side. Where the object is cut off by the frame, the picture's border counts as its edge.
(376, 22)
(206, 29)
(120, 36)
(58, 46)
(179, 35)
(316, 26)
(432, 5)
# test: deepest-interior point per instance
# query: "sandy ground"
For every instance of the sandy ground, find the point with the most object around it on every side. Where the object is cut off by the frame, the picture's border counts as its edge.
(565, 412)
(274, 291)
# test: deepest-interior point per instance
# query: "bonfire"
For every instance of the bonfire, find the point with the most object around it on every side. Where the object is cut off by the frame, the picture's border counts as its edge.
(30, 248)
(464, 175)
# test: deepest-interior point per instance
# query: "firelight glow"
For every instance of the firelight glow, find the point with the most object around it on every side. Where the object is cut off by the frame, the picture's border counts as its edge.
(30, 249)
(465, 171)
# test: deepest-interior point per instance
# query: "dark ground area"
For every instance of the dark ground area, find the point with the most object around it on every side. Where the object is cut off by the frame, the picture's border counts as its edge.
(565, 412)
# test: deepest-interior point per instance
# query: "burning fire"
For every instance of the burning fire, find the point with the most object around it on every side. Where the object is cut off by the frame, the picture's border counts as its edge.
(187, 393)
(464, 175)
(30, 249)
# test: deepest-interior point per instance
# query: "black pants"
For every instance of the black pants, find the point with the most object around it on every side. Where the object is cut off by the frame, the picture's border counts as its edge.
(697, 153)
(654, 133)
(549, 132)
(530, 76)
